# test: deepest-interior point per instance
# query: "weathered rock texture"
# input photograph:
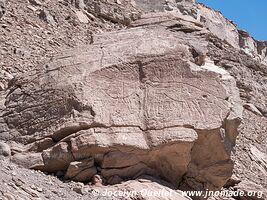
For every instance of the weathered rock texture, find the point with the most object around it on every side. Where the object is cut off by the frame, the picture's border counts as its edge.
(160, 95)
(147, 109)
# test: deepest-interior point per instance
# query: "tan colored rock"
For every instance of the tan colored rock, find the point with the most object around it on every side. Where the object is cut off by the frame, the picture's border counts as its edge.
(117, 159)
(129, 172)
(176, 155)
(64, 131)
(82, 170)
(41, 145)
(85, 175)
(148, 109)
(82, 17)
(29, 160)
(57, 158)
(97, 180)
(53, 101)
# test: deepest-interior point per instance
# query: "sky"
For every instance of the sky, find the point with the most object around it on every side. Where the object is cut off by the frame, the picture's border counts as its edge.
(249, 15)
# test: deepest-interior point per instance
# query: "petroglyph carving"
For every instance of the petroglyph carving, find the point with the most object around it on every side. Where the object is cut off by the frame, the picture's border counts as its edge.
(141, 102)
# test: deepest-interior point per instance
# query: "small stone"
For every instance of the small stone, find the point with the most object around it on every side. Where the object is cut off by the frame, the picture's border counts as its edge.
(234, 180)
(18, 182)
(80, 189)
(32, 8)
(47, 196)
(79, 4)
(2, 86)
(97, 180)
(33, 187)
(82, 17)
(46, 16)
(252, 108)
(4, 149)
(118, 2)
(35, 2)
(54, 191)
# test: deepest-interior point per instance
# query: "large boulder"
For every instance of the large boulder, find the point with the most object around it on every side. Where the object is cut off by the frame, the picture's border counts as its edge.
(137, 101)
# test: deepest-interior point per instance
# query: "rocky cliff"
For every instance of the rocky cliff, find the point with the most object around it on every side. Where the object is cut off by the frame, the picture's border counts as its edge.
(163, 95)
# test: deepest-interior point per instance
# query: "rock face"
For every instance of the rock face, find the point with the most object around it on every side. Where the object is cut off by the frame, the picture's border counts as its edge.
(148, 109)
(160, 95)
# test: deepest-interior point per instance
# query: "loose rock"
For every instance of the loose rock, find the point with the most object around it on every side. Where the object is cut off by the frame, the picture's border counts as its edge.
(4, 149)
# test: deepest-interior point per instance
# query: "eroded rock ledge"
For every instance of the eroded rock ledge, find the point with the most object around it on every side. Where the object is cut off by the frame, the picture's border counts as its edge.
(135, 102)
